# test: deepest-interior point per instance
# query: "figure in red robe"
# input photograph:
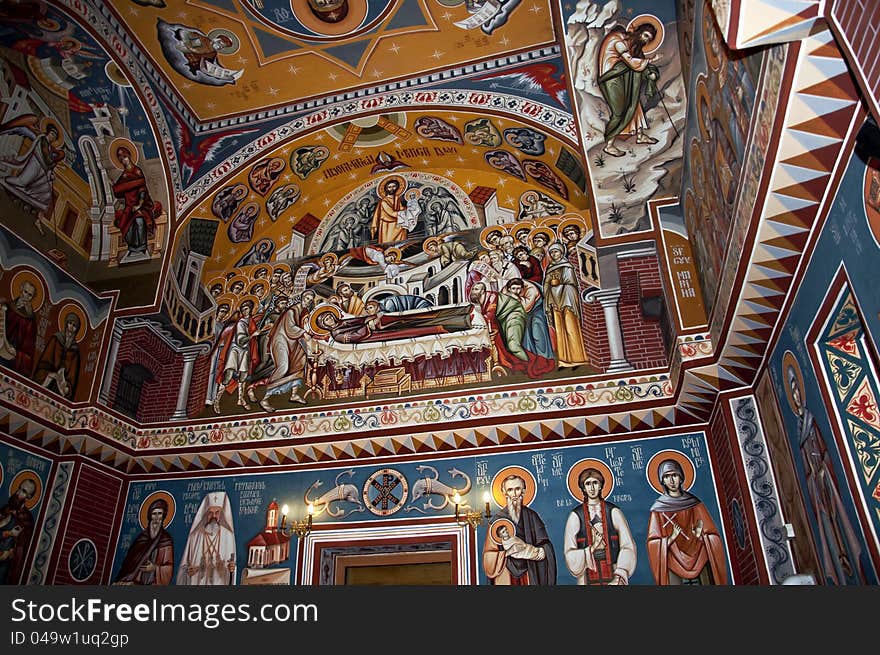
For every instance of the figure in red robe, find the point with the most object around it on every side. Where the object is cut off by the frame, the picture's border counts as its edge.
(136, 219)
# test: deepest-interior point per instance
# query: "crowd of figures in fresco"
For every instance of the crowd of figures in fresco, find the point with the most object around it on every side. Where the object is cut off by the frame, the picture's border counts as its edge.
(448, 309)
(594, 539)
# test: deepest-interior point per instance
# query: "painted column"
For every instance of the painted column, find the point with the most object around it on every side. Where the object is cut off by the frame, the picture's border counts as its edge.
(115, 338)
(609, 299)
(189, 359)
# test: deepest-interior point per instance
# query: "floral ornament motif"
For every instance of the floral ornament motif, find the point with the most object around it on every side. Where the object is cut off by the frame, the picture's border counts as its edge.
(431, 414)
(180, 439)
(388, 416)
(479, 408)
(576, 399)
(526, 404)
(867, 445)
(863, 405)
(256, 432)
(341, 424)
(844, 373)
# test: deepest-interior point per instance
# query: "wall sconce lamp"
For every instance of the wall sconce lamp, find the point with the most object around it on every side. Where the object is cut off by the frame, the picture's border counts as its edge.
(472, 519)
(298, 528)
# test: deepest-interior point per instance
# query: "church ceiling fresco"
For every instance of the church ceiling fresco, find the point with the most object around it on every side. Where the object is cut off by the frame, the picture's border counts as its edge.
(380, 176)
(262, 43)
(80, 157)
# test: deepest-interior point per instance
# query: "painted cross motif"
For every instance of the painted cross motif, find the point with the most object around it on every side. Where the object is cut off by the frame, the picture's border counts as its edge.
(385, 492)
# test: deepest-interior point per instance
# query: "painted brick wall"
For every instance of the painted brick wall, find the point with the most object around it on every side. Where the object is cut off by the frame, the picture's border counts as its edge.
(642, 337)
(90, 514)
(198, 387)
(859, 20)
(159, 395)
(595, 336)
(743, 559)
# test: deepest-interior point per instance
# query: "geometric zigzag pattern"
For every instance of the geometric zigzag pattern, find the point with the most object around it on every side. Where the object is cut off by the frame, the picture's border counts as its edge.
(340, 450)
(762, 22)
(823, 109)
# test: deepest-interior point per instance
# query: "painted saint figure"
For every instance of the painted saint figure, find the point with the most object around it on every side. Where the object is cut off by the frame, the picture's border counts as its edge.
(209, 555)
(58, 366)
(599, 548)
(385, 227)
(561, 292)
(21, 328)
(526, 557)
(838, 545)
(16, 530)
(30, 175)
(150, 558)
(136, 212)
(623, 69)
(684, 546)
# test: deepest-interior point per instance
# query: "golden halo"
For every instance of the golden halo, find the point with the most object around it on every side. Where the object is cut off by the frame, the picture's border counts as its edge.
(218, 279)
(320, 311)
(237, 278)
(230, 299)
(26, 275)
(575, 471)
(487, 231)
(117, 143)
(703, 98)
(20, 477)
(73, 308)
(329, 255)
(229, 50)
(572, 220)
(264, 286)
(690, 473)
(49, 24)
(431, 241)
(711, 34)
(496, 526)
(393, 251)
(525, 474)
(357, 14)
(789, 361)
(115, 74)
(655, 43)
(546, 231)
(279, 265)
(528, 226)
(380, 188)
(528, 197)
(253, 272)
(145, 506)
(251, 298)
(47, 122)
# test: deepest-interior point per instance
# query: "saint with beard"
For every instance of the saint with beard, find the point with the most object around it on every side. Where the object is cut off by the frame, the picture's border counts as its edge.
(150, 558)
(209, 556)
(526, 558)
(21, 328)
